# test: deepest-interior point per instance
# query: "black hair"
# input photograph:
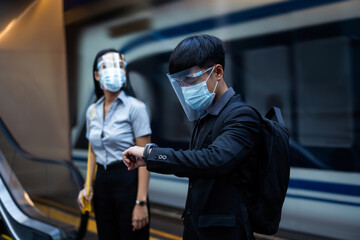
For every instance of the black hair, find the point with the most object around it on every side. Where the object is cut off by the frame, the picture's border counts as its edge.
(200, 50)
(98, 91)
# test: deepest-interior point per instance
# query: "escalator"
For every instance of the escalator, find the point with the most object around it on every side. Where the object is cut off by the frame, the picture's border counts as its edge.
(37, 196)
(38, 182)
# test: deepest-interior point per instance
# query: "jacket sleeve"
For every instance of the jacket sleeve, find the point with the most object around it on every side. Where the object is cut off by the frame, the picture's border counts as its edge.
(235, 142)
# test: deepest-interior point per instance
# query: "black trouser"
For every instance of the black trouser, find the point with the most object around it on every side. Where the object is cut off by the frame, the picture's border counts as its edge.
(115, 191)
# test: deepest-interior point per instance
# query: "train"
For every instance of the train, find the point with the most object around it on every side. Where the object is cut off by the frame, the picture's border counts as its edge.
(302, 56)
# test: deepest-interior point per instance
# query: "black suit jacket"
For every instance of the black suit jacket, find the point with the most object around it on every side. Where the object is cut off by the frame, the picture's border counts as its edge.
(212, 208)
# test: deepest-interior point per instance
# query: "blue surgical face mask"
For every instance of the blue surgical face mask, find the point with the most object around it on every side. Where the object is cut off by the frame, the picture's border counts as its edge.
(112, 79)
(198, 96)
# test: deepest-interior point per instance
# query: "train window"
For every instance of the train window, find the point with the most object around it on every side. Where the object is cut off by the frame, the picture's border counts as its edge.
(142, 89)
(229, 68)
(267, 79)
(323, 93)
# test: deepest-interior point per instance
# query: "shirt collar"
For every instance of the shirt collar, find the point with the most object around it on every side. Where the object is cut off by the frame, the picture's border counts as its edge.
(122, 97)
(100, 100)
(221, 102)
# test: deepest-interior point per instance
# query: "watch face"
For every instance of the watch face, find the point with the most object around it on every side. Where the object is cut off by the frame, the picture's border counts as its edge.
(141, 203)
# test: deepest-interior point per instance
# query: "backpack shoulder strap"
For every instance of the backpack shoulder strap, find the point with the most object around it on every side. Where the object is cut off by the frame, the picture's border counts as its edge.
(275, 112)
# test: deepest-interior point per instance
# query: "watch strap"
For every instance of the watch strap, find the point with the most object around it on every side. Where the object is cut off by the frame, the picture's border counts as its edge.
(147, 148)
(141, 203)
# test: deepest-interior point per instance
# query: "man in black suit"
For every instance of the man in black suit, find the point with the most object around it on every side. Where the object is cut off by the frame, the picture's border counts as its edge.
(213, 209)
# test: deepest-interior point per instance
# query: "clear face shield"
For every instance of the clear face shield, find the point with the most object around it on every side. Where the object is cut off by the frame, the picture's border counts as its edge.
(191, 89)
(111, 69)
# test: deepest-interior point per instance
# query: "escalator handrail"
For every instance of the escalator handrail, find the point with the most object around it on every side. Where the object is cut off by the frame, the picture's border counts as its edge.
(68, 164)
(74, 171)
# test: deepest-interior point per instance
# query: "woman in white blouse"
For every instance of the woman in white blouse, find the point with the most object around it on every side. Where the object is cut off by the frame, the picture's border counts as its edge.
(114, 123)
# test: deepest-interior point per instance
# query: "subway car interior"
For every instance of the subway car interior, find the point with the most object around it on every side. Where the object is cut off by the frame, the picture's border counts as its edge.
(302, 56)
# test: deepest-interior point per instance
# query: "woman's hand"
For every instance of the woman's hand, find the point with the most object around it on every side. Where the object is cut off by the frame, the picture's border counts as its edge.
(140, 217)
(82, 194)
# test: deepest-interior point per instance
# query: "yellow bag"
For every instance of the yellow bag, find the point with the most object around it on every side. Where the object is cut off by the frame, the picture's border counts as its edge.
(88, 207)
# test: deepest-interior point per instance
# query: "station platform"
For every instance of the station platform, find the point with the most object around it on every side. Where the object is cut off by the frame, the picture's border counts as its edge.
(165, 224)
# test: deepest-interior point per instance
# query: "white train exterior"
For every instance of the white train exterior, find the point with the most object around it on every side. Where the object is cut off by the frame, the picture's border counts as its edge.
(302, 56)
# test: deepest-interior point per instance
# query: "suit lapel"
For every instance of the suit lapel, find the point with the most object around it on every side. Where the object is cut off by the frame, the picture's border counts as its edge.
(204, 132)
(193, 135)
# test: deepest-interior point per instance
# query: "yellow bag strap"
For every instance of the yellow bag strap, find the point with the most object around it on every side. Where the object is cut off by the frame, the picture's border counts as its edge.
(88, 162)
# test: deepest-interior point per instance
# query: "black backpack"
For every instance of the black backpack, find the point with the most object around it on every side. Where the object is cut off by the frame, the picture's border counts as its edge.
(264, 213)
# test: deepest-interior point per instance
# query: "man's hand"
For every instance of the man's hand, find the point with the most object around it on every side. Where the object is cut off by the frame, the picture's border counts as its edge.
(132, 157)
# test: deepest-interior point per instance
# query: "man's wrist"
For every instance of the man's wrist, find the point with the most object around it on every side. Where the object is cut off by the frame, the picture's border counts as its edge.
(147, 150)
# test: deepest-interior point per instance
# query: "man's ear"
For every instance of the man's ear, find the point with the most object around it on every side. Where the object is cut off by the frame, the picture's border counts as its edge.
(219, 71)
(96, 75)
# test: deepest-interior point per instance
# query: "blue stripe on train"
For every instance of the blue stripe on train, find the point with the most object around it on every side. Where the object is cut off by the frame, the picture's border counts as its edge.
(335, 188)
(323, 200)
(226, 20)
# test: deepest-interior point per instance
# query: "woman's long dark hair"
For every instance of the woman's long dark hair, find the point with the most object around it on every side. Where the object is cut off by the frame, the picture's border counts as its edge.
(98, 91)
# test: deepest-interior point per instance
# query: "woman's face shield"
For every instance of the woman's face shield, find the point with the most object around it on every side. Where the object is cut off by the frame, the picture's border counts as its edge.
(111, 68)
(188, 78)
(111, 60)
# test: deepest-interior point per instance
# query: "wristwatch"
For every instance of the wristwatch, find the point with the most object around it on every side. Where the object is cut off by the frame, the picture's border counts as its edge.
(141, 203)
(147, 148)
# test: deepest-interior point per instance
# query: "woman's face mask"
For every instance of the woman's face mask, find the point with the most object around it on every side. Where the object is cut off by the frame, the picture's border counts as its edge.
(112, 79)
(111, 70)
(197, 96)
